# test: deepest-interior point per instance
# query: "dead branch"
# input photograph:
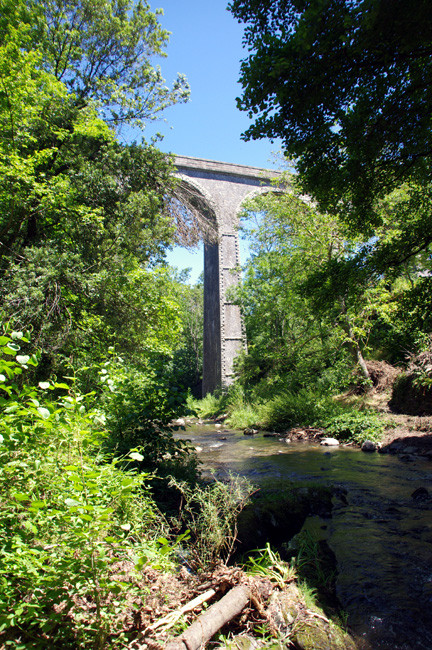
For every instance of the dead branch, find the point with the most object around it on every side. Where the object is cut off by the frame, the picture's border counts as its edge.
(170, 619)
(210, 621)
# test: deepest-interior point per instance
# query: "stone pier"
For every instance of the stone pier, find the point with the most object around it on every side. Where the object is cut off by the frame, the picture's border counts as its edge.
(217, 190)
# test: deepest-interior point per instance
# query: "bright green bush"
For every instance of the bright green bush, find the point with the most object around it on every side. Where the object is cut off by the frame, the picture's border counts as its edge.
(75, 529)
(211, 405)
(356, 426)
(304, 408)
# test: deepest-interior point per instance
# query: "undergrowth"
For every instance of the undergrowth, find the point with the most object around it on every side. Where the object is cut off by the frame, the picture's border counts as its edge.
(79, 525)
(285, 410)
(210, 513)
(76, 529)
(356, 426)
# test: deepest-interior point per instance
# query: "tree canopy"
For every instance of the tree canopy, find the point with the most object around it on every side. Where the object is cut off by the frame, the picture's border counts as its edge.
(347, 86)
(82, 217)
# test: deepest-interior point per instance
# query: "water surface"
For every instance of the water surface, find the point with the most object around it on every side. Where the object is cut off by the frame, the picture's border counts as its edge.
(380, 535)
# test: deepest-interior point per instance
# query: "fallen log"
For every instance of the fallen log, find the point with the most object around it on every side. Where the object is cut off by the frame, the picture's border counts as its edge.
(210, 621)
(170, 619)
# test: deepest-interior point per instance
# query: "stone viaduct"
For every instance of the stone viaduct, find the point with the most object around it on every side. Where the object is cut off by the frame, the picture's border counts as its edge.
(216, 190)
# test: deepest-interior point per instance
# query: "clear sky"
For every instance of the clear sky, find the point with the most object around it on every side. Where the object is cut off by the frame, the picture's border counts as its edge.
(206, 45)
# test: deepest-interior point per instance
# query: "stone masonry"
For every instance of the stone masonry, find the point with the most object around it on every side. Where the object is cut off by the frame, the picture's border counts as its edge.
(217, 190)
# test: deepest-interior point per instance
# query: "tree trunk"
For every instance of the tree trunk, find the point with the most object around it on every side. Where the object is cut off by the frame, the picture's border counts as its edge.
(352, 342)
(210, 621)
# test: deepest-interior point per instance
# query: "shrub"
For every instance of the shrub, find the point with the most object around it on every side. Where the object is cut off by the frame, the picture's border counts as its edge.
(305, 408)
(75, 529)
(209, 406)
(138, 406)
(210, 513)
(356, 426)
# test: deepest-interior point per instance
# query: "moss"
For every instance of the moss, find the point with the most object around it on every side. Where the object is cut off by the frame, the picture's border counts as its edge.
(306, 626)
(316, 634)
(275, 518)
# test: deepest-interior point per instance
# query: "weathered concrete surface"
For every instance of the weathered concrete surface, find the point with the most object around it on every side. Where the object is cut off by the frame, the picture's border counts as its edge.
(219, 189)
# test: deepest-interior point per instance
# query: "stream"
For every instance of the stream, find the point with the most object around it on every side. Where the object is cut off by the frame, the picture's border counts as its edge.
(381, 536)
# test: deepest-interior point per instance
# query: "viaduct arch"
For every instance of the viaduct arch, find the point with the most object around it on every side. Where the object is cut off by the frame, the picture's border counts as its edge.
(217, 190)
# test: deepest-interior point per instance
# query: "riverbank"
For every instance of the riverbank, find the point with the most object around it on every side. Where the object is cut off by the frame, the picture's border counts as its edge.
(396, 433)
(403, 434)
(275, 612)
(377, 526)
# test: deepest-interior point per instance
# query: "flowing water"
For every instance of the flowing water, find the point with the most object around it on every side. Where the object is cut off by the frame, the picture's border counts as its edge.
(381, 535)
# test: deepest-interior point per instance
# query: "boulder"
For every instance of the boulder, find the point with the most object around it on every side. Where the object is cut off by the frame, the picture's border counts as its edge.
(308, 629)
(330, 442)
(421, 494)
(368, 446)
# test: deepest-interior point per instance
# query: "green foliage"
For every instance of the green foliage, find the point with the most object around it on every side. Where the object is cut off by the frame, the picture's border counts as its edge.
(348, 94)
(138, 405)
(267, 563)
(76, 529)
(211, 405)
(188, 355)
(356, 426)
(350, 99)
(210, 513)
(304, 408)
(420, 365)
(103, 53)
(83, 218)
(308, 305)
(243, 415)
(310, 563)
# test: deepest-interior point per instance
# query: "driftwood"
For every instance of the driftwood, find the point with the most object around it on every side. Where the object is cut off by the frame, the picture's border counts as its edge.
(210, 621)
(170, 619)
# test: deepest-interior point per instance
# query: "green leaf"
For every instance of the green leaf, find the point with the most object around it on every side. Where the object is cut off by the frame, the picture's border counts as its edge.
(43, 412)
(22, 359)
(43, 384)
(71, 503)
(37, 504)
(136, 456)
(21, 496)
(11, 349)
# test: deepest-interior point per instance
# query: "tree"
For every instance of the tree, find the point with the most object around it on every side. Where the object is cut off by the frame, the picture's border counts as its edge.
(347, 86)
(102, 52)
(82, 218)
(188, 357)
(306, 293)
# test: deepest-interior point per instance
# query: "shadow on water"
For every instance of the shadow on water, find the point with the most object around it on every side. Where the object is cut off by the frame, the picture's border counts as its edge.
(380, 535)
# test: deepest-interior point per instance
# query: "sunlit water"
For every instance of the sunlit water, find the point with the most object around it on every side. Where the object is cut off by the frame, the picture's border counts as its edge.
(380, 535)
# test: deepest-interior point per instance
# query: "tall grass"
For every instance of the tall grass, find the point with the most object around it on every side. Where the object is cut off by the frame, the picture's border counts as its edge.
(288, 409)
(304, 408)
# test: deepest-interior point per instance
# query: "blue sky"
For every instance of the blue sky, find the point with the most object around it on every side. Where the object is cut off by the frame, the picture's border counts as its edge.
(206, 45)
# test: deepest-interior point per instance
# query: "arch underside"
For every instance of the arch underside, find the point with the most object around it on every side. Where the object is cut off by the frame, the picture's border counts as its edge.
(200, 216)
